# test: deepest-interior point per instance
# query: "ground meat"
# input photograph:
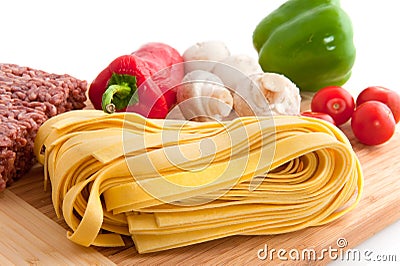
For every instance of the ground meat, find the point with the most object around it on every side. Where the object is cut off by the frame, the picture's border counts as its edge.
(60, 93)
(28, 97)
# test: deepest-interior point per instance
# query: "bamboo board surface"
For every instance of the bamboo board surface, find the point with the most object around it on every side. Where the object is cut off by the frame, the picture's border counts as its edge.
(31, 234)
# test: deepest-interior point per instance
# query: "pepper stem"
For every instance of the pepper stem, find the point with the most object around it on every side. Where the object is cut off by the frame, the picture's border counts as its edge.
(119, 93)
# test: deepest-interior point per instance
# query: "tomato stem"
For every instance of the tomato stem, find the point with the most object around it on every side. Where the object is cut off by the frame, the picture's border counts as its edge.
(336, 106)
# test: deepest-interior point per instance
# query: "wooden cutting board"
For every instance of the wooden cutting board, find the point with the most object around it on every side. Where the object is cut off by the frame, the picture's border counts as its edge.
(31, 234)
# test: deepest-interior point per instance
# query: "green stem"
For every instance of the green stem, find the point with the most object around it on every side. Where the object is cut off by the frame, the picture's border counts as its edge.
(121, 92)
(112, 97)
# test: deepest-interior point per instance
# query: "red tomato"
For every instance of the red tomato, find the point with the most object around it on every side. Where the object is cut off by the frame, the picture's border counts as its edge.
(384, 95)
(318, 115)
(334, 101)
(373, 123)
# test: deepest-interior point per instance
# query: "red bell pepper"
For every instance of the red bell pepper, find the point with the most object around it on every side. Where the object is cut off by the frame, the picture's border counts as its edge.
(142, 82)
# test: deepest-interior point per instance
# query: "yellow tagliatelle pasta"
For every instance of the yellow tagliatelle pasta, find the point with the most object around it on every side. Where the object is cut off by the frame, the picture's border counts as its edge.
(170, 183)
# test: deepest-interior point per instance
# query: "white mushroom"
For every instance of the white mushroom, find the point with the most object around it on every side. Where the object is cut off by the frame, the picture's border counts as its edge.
(234, 67)
(203, 97)
(209, 52)
(266, 94)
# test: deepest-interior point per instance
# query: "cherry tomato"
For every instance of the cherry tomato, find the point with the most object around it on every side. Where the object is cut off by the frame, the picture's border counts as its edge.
(373, 123)
(334, 101)
(318, 115)
(384, 95)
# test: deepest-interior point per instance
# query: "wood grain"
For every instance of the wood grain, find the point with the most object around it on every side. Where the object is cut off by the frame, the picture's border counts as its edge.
(30, 238)
(24, 225)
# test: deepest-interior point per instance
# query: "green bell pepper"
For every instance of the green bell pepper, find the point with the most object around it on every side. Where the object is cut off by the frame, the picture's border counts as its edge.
(309, 41)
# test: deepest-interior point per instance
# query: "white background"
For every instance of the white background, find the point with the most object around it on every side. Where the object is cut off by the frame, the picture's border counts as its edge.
(81, 37)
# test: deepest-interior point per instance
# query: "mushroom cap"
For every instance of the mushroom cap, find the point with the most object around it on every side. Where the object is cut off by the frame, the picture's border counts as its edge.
(203, 97)
(235, 67)
(204, 55)
(267, 94)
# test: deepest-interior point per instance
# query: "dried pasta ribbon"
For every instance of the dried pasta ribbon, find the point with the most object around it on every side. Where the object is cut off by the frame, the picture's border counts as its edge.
(170, 183)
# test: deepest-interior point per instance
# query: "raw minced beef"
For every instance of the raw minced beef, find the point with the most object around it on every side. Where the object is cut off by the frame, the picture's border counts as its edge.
(28, 97)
